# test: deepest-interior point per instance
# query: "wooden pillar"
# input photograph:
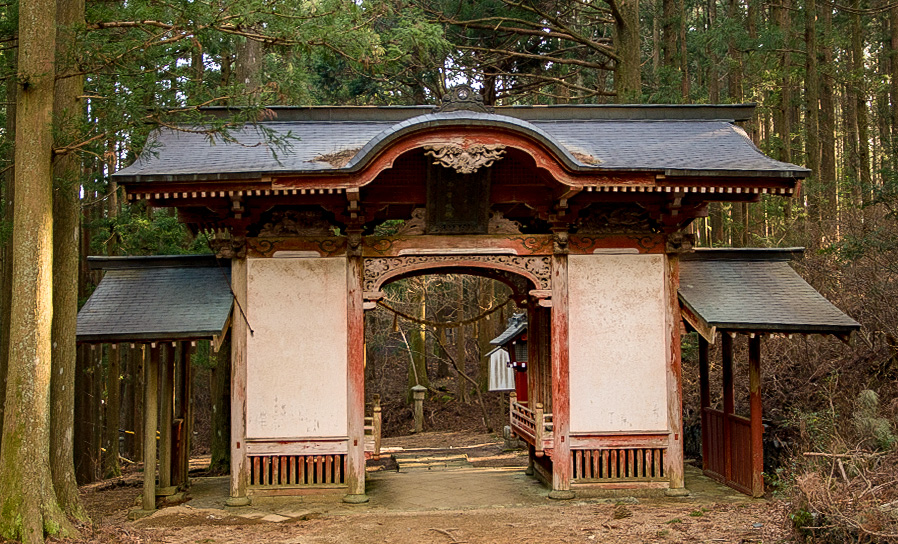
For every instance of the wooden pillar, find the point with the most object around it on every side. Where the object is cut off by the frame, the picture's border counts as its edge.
(729, 404)
(150, 424)
(239, 330)
(166, 410)
(705, 393)
(561, 394)
(673, 461)
(355, 383)
(757, 427)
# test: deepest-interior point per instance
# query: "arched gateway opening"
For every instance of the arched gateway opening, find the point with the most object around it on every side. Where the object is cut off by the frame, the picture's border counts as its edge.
(432, 332)
(583, 212)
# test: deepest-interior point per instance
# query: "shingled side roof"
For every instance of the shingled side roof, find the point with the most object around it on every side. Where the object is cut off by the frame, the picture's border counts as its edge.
(755, 291)
(157, 299)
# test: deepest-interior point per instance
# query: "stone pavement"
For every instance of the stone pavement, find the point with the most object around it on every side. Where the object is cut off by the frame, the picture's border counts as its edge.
(458, 489)
(422, 490)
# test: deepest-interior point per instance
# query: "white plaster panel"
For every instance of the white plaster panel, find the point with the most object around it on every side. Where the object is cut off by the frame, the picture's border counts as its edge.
(618, 343)
(296, 358)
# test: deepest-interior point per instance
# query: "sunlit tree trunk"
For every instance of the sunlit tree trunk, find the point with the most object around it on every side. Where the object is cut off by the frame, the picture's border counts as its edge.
(28, 503)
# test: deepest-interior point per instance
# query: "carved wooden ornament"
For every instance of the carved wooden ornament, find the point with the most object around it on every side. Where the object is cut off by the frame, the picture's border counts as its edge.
(465, 160)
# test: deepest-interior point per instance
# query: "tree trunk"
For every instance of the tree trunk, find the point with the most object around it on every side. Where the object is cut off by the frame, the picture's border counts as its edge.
(627, 82)
(893, 82)
(417, 372)
(812, 120)
(6, 261)
(827, 176)
(859, 91)
(713, 74)
(138, 361)
(66, 246)
(460, 344)
(221, 410)
(249, 65)
(112, 421)
(685, 91)
(734, 81)
(28, 504)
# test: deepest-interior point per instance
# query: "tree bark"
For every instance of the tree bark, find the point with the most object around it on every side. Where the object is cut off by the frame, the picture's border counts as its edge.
(67, 110)
(112, 421)
(812, 120)
(28, 504)
(461, 344)
(6, 262)
(627, 79)
(734, 81)
(893, 85)
(859, 92)
(827, 176)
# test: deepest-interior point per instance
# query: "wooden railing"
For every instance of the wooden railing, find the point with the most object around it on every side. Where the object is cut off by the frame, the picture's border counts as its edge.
(534, 426)
(373, 426)
(722, 428)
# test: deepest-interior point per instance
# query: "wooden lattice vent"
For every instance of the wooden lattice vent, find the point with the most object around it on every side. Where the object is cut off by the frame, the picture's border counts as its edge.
(618, 465)
(297, 470)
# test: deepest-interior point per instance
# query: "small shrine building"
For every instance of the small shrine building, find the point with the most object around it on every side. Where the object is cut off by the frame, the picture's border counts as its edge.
(583, 211)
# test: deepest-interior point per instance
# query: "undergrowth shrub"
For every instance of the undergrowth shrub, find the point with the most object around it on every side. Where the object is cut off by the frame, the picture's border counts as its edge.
(847, 494)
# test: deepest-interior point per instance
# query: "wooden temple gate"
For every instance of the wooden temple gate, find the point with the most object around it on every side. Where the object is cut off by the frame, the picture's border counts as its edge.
(583, 211)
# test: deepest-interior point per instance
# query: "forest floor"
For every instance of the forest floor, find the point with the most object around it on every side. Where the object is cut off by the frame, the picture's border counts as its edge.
(486, 500)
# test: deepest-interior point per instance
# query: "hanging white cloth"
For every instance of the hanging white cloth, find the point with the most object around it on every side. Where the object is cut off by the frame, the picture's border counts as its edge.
(501, 375)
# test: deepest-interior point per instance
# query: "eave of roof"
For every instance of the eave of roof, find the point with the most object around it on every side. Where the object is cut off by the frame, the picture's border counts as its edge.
(153, 299)
(734, 112)
(674, 141)
(754, 291)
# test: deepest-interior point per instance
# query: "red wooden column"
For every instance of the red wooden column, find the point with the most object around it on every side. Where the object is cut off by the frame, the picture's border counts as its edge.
(705, 394)
(729, 404)
(561, 393)
(355, 383)
(674, 459)
(239, 330)
(757, 427)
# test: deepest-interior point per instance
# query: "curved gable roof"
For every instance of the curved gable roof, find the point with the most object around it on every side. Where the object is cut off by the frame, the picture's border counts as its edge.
(674, 141)
(468, 119)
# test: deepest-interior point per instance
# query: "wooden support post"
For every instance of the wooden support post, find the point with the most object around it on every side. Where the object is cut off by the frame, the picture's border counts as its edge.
(239, 331)
(757, 427)
(561, 393)
(674, 465)
(355, 388)
(150, 424)
(166, 410)
(729, 404)
(705, 393)
(539, 435)
(377, 423)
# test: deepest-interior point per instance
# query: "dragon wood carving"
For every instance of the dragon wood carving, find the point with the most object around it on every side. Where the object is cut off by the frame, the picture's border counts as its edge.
(465, 160)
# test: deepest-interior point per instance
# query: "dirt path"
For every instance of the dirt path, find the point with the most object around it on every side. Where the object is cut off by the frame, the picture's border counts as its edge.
(492, 503)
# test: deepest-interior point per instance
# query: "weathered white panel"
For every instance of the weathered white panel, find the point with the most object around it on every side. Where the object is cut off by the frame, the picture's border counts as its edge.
(618, 343)
(296, 358)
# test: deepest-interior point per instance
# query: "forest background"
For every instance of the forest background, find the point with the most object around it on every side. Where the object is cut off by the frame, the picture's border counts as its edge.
(85, 83)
